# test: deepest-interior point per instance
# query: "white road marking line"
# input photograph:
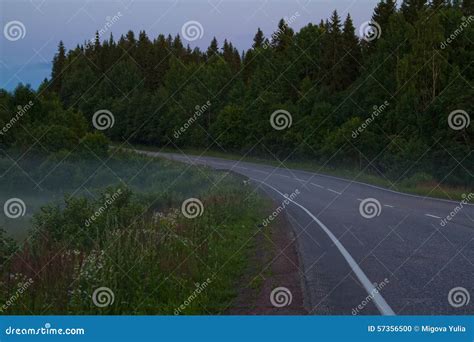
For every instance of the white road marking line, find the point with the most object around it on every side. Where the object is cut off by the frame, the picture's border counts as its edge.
(299, 179)
(170, 155)
(339, 193)
(360, 200)
(374, 186)
(379, 301)
(260, 171)
(319, 186)
(432, 216)
(387, 205)
(278, 174)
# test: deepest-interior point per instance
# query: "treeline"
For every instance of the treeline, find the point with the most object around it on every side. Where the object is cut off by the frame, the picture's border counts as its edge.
(33, 123)
(380, 103)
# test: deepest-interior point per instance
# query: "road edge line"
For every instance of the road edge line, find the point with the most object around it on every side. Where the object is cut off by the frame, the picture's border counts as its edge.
(379, 301)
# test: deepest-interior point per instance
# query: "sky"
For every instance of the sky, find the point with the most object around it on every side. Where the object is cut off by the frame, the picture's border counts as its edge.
(26, 53)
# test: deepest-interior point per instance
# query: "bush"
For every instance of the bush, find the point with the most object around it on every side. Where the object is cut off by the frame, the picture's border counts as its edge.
(419, 178)
(94, 145)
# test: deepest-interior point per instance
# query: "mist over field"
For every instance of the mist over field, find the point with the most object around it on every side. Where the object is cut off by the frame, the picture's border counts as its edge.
(40, 181)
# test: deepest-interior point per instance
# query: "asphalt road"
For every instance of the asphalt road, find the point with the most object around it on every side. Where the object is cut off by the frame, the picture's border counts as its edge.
(401, 261)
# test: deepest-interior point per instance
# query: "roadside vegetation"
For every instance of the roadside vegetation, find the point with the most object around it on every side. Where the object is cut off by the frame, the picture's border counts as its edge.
(139, 244)
(420, 183)
(92, 218)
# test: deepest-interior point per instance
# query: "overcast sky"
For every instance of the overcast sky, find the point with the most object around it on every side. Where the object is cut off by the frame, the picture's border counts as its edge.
(46, 22)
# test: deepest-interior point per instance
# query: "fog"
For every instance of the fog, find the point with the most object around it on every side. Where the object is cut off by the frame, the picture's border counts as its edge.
(38, 181)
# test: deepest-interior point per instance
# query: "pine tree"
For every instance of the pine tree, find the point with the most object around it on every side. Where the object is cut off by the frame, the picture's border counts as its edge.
(383, 11)
(177, 47)
(282, 38)
(169, 41)
(353, 56)
(411, 9)
(258, 39)
(228, 52)
(161, 56)
(96, 41)
(231, 56)
(144, 57)
(213, 49)
(130, 41)
(59, 62)
(334, 52)
(237, 59)
(322, 24)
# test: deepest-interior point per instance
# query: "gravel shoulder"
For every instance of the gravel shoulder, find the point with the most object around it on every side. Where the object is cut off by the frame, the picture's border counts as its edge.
(274, 264)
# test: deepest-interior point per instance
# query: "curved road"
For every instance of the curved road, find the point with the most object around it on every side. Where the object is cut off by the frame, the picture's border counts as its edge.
(403, 260)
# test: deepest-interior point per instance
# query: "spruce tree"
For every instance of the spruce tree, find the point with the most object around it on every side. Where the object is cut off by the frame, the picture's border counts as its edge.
(411, 9)
(59, 62)
(282, 38)
(353, 56)
(258, 39)
(383, 11)
(213, 49)
(334, 52)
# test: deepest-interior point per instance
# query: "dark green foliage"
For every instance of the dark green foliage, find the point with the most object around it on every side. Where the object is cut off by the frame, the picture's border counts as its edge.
(383, 11)
(139, 244)
(328, 78)
(412, 8)
(37, 123)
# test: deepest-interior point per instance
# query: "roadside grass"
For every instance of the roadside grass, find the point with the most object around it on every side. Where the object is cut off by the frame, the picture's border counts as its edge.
(418, 184)
(153, 259)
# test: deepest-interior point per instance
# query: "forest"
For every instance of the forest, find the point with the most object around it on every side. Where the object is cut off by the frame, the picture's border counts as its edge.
(384, 102)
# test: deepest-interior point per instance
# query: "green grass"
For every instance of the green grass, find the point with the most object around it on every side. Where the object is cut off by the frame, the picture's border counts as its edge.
(141, 247)
(419, 184)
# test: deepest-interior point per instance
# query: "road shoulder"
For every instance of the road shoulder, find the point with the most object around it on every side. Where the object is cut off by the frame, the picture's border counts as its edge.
(274, 264)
